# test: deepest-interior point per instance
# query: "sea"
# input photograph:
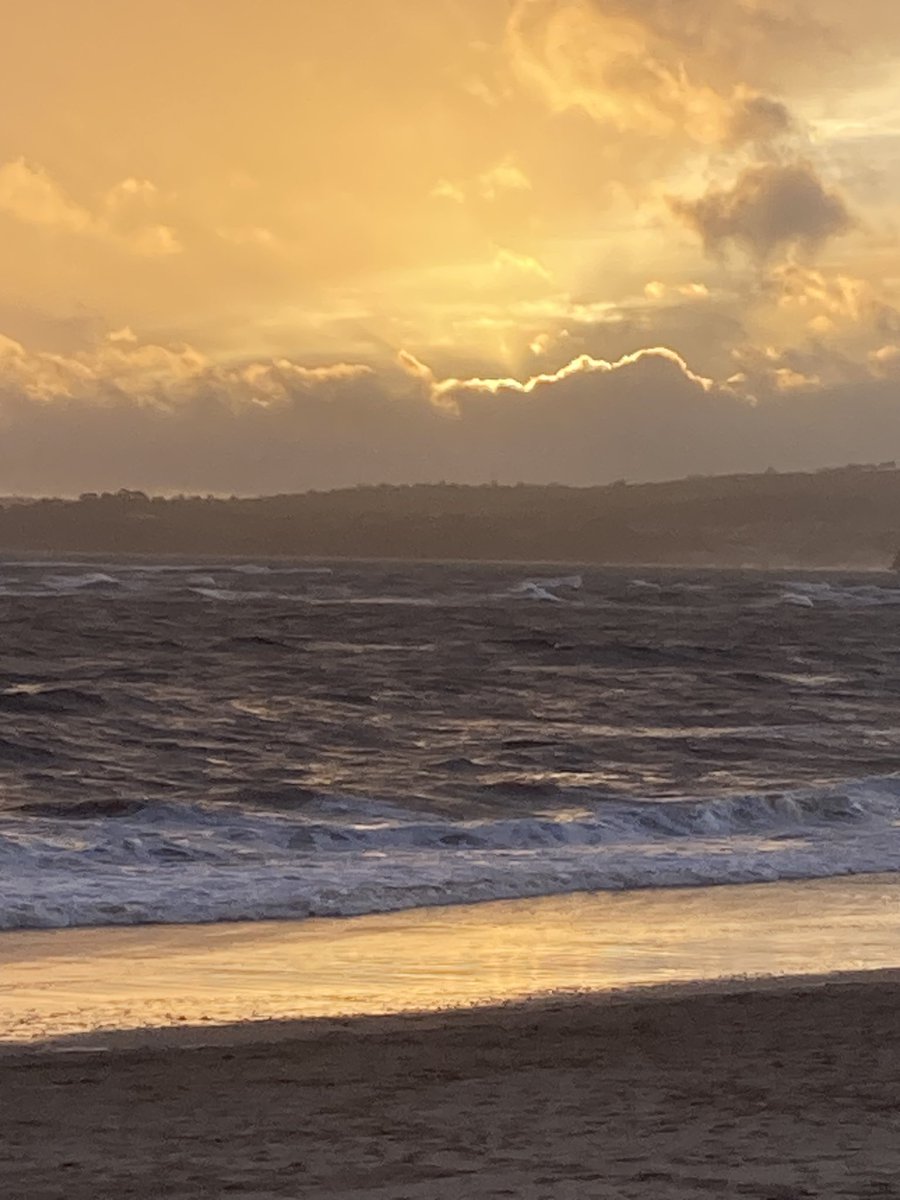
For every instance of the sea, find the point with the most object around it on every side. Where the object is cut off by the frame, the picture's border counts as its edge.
(218, 741)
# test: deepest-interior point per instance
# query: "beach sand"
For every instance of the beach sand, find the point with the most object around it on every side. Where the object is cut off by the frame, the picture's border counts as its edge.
(776, 1092)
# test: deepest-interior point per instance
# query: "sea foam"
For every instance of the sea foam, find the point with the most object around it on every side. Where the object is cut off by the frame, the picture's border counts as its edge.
(196, 863)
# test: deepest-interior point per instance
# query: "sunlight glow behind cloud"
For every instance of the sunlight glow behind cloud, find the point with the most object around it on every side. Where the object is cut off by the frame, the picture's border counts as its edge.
(425, 241)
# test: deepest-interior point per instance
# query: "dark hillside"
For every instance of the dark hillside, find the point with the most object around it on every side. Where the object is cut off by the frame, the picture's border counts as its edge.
(842, 517)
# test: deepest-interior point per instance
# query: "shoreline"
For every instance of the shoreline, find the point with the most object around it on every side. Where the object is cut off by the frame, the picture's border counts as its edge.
(767, 1093)
(510, 1013)
(68, 986)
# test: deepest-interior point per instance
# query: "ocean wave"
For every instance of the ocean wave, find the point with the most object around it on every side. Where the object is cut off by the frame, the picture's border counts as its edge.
(129, 864)
(547, 589)
(214, 593)
(811, 594)
(49, 701)
(91, 581)
(229, 594)
(796, 599)
(278, 569)
(130, 580)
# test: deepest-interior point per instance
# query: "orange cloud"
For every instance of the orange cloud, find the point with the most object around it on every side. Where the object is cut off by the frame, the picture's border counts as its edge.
(29, 194)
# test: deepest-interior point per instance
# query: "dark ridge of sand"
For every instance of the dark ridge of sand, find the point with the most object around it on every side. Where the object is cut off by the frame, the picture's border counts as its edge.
(775, 1093)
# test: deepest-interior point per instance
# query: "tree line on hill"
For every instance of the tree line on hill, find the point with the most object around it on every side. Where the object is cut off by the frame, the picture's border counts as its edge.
(841, 517)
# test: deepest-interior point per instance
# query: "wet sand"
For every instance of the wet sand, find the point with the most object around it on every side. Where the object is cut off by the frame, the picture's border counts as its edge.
(772, 1092)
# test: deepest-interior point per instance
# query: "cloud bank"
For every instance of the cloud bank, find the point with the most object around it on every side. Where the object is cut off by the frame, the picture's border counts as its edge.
(143, 415)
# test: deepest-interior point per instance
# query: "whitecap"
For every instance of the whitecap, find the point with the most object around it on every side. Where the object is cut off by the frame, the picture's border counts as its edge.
(170, 863)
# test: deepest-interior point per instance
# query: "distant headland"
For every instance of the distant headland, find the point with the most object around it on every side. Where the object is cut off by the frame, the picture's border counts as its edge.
(837, 517)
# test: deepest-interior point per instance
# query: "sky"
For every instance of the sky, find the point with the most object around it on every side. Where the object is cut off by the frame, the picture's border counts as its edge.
(255, 246)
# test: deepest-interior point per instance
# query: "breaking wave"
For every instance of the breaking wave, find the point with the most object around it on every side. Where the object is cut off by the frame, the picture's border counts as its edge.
(805, 594)
(138, 863)
(547, 589)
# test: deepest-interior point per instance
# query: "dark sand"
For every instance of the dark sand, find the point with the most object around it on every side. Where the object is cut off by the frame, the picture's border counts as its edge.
(777, 1094)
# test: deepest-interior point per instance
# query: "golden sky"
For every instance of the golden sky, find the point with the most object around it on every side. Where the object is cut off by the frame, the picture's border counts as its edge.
(263, 245)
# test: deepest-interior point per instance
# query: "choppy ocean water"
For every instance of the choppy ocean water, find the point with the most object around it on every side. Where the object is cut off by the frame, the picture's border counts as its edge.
(202, 742)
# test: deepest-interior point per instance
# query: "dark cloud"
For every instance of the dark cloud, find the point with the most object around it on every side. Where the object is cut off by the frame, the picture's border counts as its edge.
(758, 120)
(771, 206)
(168, 421)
